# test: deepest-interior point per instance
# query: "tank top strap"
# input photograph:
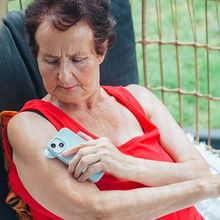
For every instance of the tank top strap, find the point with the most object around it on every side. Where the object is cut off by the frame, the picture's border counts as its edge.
(56, 116)
(123, 96)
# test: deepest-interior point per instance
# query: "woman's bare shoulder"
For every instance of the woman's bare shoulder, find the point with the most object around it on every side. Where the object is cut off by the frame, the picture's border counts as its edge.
(139, 91)
(25, 120)
(144, 97)
(26, 126)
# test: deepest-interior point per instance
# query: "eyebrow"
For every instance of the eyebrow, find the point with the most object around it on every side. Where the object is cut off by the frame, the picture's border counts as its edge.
(74, 55)
(69, 55)
(50, 56)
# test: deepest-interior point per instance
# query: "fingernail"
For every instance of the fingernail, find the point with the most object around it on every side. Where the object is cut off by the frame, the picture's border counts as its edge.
(65, 153)
(79, 179)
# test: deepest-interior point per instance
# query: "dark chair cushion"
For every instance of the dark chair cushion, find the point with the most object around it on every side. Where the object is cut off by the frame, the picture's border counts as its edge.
(20, 80)
(120, 66)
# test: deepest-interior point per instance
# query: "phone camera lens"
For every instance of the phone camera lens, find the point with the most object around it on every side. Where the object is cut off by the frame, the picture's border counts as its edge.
(53, 145)
(61, 144)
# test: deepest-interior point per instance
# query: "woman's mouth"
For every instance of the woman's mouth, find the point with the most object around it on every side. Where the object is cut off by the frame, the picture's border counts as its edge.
(68, 88)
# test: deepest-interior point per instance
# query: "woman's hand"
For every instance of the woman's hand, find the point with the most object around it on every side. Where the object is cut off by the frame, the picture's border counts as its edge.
(97, 155)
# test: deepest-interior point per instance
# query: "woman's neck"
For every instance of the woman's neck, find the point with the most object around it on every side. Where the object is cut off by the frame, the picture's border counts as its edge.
(88, 104)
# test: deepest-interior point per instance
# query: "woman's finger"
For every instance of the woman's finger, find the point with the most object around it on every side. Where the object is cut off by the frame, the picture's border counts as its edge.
(92, 169)
(80, 154)
(76, 148)
(84, 163)
(84, 136)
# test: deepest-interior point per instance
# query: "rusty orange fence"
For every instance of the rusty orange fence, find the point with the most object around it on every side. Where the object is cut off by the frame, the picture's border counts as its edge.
(176, 29)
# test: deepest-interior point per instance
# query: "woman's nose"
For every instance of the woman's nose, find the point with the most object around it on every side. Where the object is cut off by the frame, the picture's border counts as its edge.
(65, 73)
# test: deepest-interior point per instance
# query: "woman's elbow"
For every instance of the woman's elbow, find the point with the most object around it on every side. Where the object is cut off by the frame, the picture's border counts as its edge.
(94, 207)
(103, 206)
(202, 168)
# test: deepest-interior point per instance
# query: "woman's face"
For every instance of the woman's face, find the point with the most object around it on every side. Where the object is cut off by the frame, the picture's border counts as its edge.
(67, 61)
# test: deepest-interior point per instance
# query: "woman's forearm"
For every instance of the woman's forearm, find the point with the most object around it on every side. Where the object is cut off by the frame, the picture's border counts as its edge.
(151, 203)
(156, 173)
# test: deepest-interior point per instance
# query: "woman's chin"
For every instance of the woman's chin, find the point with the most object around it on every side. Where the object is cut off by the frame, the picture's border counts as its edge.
(69, 99)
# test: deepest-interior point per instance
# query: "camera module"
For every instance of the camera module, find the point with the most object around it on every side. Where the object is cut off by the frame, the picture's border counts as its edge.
(53, 145)
(61, 144)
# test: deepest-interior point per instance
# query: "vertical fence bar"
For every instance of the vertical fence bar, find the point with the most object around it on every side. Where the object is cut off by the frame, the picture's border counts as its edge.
(159, 29)
(217, 13)
(20, 2)
(173, 6)
(191, 12)
(131, 3)
(3, 9)
(196, 74)
(208, 70)
(144, 40)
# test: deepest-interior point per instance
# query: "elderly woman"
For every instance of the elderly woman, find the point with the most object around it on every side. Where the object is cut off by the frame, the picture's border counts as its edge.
(151, 169)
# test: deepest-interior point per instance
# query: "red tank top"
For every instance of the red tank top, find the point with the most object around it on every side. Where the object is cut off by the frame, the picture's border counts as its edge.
(146, 146)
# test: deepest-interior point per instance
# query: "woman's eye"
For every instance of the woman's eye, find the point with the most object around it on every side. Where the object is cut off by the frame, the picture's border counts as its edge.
(76, 61)
(79, 60)
(52, 62)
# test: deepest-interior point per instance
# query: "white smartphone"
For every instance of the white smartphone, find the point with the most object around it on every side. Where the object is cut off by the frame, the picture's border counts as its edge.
(65, 139)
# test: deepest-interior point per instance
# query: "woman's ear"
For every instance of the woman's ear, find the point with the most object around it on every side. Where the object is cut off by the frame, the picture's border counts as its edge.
(105, 49)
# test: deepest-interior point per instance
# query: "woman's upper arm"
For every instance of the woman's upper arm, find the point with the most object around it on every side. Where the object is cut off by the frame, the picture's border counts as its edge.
(172, 137)
(46, 180)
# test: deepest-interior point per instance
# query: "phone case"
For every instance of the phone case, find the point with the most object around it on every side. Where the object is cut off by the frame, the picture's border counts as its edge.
(63, 140)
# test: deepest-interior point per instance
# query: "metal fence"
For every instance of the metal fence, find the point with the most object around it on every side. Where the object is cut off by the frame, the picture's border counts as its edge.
(185, 69)
(178, 51)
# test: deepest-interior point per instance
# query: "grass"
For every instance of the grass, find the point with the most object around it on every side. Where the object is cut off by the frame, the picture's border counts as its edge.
(186, 54)
(14, 5)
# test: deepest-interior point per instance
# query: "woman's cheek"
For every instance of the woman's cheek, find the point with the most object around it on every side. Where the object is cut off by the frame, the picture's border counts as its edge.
(81, 67)
(49, 78)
